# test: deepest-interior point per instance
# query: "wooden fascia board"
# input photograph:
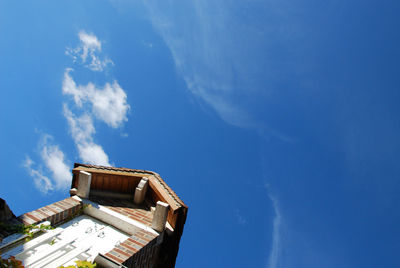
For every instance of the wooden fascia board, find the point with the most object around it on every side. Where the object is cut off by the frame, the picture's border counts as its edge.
(159, 189)
(110, 172)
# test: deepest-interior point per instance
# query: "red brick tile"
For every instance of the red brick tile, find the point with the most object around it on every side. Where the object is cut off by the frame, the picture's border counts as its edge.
(32, 217)
(122, 252)
(51, 209)
(131, 248)
(114, 258)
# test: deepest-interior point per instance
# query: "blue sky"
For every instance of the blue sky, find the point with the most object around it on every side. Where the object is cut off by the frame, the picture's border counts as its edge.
(277, 122)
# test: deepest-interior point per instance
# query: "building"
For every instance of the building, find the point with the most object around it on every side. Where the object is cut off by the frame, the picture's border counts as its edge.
(116, 217)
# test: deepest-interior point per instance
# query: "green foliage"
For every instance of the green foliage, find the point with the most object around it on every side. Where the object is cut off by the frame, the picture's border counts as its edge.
(81, 264)
(24, 229)
(12, 262)
(27, 230)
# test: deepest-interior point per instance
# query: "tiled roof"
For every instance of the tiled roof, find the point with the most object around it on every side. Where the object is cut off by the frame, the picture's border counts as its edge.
(167, 189)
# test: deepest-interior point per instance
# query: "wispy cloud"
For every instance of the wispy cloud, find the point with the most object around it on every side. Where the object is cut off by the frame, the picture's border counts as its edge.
(222, 105)
(225, 56)
(55, 174)
(55, 161)
(42, 182)
(205, 51)
(88, 52)
(82, 131)
(274, 255)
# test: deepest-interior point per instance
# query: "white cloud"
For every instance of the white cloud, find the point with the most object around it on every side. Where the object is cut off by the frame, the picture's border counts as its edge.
(82, 131)
(93, 153)
(69, 87)
(276, 235)
(108, 104)
(41, 181)
(87, 51)
(55, 164)
(54, 160)
(90, 44)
